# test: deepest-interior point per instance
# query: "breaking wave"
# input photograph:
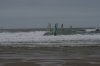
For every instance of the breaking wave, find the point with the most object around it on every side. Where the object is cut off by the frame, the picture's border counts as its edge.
(37, 38)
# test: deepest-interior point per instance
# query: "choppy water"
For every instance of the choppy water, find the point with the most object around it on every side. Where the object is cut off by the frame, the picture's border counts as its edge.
(51, 56)
(49, 50)
(37, 38)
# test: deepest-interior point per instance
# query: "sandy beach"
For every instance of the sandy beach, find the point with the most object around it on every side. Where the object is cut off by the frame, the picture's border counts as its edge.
(61, 56)
(35, 64)
(81, 64)
(22, 64)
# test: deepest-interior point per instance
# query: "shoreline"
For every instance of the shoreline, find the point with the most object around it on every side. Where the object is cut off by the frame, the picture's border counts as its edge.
(65, 64)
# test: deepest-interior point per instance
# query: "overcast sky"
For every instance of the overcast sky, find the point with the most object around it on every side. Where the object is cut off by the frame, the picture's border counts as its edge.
(38, 13)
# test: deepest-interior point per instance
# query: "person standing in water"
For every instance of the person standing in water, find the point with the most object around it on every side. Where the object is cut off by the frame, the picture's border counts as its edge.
(55, 29)
(62, 28)
(49, 28)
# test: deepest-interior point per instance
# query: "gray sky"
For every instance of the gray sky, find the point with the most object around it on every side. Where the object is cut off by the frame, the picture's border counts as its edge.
(38, 13)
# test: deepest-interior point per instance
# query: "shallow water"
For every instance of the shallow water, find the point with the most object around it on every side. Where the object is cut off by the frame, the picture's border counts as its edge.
(51, 56)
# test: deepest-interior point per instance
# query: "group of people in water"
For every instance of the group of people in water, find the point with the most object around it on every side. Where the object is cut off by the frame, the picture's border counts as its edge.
(55, 29)
(62, 31)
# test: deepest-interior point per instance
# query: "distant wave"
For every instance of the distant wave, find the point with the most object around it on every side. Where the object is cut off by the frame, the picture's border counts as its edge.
(37, 38)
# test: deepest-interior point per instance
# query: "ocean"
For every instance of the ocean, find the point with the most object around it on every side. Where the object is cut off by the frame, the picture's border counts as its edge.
(24, 47)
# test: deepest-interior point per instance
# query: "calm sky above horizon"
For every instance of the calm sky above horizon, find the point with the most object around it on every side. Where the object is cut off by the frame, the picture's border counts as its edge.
(38, 13)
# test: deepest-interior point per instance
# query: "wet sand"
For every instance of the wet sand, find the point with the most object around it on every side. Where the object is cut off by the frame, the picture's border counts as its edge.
(80, 64)
(50, 56)
(22, 64)
(35, 64)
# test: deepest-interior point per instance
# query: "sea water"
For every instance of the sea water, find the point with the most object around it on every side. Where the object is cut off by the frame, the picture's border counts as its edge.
(49, 50)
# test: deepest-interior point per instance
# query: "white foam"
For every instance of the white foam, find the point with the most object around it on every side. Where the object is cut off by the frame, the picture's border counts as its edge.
(37, 37)
(89, 30)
